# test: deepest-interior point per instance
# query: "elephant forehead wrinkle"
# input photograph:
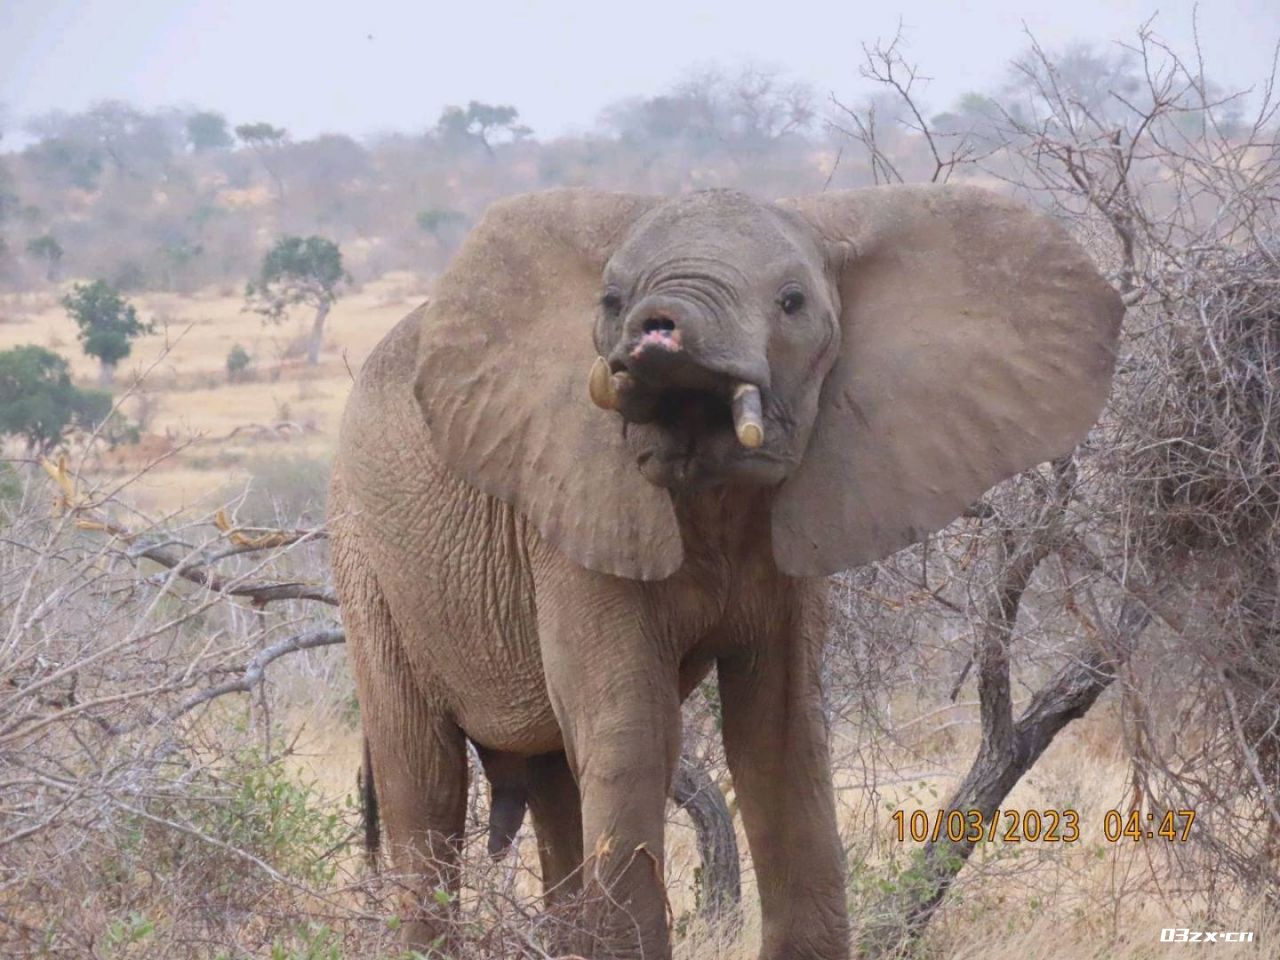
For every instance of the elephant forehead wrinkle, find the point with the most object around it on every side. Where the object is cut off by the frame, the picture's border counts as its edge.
(717, 269)
(704, 279)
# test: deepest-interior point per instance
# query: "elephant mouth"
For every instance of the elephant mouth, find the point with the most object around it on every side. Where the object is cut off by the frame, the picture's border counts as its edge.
(697, 413)
(689, 423)
(689, 432)
(680, 398)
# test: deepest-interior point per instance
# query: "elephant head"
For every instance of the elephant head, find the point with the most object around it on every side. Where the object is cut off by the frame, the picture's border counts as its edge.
(877, 358)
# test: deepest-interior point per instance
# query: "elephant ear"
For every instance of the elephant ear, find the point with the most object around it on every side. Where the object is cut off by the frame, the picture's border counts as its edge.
(977, 340)
(505, 348)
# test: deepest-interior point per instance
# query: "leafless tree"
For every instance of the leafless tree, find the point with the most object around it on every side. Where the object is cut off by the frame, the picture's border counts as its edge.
(1168, 514)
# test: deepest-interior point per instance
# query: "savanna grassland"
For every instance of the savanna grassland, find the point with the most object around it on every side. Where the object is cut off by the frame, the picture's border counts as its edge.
(179, 737)
(203, 427)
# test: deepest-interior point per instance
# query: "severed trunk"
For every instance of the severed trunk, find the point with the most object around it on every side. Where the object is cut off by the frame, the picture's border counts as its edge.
(720, 881)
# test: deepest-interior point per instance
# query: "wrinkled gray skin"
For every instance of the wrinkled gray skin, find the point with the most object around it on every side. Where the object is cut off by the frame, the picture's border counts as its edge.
(464, 622)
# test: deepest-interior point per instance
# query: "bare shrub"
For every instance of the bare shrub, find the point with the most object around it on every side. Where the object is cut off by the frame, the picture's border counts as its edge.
(285, 490)
(152, 803)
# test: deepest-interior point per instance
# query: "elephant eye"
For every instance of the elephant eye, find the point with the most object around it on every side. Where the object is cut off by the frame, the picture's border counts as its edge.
(791, 301)
(611, 300)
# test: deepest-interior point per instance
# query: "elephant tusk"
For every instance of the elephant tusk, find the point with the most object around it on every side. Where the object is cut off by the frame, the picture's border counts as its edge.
(748, 422)
(601, 387)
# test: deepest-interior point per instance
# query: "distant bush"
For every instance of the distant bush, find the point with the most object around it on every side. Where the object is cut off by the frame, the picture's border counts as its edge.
(238, 361)
(118, 430)
(129, 276)
(10, 204)
(207, 130)
(11, 496)
(60, 163)
(47, 249)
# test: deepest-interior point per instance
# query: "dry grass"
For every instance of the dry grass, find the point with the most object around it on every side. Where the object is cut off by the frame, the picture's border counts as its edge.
(1089, 900)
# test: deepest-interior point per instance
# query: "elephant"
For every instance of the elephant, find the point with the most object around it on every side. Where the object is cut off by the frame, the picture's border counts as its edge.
(629, 438)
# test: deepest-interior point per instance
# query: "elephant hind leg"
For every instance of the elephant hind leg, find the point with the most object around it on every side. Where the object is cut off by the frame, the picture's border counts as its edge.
(420, 768)
(415, 752)
(556, 807)
(544, 785)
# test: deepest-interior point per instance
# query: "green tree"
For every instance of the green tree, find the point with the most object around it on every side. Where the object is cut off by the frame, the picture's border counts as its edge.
(111, 132)
(38, 401)
(108, 324)
(265, 140)
(46, 248)
(238, 361)
(10, 203)
(207, 130)
(65, 163)
(479, 122)
(298, 271)
(435, 219)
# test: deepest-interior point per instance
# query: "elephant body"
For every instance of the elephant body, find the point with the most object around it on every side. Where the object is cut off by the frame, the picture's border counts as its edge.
(450, 561)
(442, 587)
(550, 580)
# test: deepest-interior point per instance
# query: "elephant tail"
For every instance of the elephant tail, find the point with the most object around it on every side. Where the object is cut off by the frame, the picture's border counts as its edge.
(369, 807)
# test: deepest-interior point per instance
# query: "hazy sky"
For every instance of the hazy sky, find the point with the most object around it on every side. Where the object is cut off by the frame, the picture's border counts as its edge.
(372, 65)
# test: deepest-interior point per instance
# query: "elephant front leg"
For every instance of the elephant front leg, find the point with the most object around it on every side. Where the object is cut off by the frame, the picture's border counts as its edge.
(625, 759)
(618, 708)
(776, 744)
